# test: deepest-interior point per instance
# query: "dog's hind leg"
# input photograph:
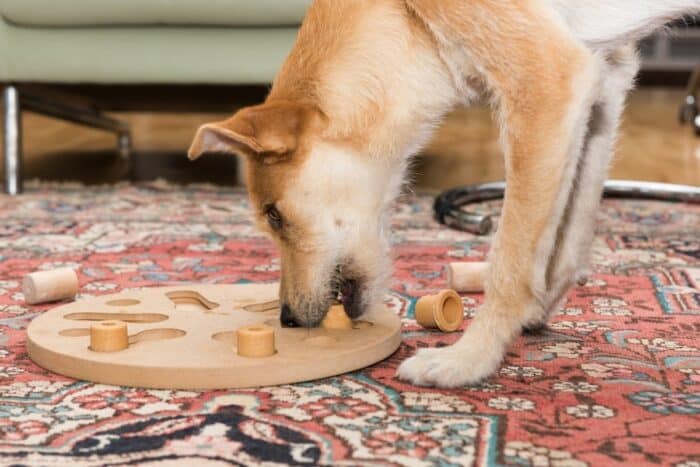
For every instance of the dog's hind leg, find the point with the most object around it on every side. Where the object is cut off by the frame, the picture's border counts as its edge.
(546, 83)
(575, 232)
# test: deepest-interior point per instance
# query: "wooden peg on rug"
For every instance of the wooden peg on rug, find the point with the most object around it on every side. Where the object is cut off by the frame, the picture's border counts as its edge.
(466, 277)
(443, 310)
(50, 286)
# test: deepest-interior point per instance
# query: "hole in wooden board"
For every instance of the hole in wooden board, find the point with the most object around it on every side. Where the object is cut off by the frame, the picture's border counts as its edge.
(127, 317)
(227, 337)
(188, 300)
(362, 324)
(75, 332)
(263, 307)
(143, 336)
(124, 302)
(156, 335)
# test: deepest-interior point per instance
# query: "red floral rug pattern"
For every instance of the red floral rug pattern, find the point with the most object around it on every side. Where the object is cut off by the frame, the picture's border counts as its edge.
(613, 380)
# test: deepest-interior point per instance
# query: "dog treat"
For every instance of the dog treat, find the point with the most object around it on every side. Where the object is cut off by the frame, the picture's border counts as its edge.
(256, 341)
(442, 310)
(336, 318)
(466, 277)
(50, 286)
(109, 336)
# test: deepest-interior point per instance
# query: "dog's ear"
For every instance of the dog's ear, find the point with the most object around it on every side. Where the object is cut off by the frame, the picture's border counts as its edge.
(268, 132)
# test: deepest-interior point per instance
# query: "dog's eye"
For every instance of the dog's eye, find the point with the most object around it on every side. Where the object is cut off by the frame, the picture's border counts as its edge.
(273, 217)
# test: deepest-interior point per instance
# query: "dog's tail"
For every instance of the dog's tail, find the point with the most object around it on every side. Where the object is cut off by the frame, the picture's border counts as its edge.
(609, 24)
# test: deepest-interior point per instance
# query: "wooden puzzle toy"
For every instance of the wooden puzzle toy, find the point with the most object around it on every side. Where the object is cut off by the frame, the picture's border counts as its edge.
(202, 337)
(466, 277)
(443, 310)
(50, 286)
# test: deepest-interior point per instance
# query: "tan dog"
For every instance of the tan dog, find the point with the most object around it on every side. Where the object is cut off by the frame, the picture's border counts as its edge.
(361, 91)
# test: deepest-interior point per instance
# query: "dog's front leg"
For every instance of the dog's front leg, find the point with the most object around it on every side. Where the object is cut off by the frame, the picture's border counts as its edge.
(575, 231)
(546, 84)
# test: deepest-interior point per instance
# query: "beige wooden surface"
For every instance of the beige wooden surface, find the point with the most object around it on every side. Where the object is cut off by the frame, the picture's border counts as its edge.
(652, 146)
(185, 338)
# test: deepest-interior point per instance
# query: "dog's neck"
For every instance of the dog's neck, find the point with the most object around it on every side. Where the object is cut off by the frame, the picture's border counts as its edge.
(366, 70)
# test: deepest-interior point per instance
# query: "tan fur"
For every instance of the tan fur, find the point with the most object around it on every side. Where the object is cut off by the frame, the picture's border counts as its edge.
(532, 76)
(361, 91)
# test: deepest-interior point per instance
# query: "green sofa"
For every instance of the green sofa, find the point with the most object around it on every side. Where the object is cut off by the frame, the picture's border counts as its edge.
(231, 42)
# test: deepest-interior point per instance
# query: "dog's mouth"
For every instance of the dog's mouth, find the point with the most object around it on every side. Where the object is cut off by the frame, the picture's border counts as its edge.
(348, 293)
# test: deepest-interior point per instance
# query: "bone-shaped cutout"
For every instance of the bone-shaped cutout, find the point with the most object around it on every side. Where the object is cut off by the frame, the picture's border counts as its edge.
(188, 300)
(126, 317)
(156, 335)
(143, 336)
(262, 307)
(75, 332)
(123, 302)
(227, 337)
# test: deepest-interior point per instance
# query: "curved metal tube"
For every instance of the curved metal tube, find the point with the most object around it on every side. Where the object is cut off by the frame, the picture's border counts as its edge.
(449, 204)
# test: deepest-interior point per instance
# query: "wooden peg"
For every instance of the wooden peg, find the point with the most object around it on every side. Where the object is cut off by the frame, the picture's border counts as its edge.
(336, 318)
(256, 341)
(109, 336)
(50, 286)
(466, 277)
(443, 310)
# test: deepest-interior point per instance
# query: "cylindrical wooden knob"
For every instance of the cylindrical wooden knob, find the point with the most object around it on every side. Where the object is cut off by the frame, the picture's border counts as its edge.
(256, 341)
(443, 310)
(109, 336)
(336, 318)
(466, 277)
(50, 286)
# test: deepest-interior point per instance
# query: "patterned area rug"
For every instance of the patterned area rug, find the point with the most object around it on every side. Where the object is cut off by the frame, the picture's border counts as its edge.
(614, 379)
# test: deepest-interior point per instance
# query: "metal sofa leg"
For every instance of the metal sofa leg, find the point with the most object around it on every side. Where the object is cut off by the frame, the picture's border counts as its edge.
(13, 140)
(690, 110)
(241, 168)
(124, 145)
(36, 102)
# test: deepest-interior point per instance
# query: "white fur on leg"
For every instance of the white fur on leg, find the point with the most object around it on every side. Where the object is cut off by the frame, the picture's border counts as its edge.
(449, 367)
(474, 357)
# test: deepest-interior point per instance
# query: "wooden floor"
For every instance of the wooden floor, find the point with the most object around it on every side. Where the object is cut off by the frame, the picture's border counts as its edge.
(652, 146)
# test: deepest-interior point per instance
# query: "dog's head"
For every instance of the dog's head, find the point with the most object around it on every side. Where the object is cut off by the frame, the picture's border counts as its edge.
(321, 200)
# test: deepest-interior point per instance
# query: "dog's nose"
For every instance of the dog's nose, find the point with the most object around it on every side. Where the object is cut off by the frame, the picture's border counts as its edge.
(286, 317)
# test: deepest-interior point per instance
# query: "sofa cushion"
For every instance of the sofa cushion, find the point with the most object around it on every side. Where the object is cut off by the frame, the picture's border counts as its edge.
(70, 13)
(139, 55)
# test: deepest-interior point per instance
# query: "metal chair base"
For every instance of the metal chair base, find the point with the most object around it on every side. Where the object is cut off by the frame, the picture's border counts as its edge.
(449, 205)
(15, 102)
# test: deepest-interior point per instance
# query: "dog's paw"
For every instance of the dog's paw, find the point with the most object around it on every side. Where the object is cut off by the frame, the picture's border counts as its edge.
(449, 367)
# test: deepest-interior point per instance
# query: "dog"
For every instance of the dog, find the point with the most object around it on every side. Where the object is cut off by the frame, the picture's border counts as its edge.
(362, 90)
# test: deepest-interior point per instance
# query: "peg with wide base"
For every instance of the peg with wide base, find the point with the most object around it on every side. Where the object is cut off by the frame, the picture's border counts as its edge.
(443, 310)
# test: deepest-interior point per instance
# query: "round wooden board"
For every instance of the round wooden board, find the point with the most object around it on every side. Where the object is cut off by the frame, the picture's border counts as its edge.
(184, 337)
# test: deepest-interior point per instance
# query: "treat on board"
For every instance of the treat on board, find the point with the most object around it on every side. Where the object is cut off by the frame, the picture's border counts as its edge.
(256, 341)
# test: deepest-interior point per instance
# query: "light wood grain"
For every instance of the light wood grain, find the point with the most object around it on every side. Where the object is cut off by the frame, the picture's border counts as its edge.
(176, 344)
(652, 146)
